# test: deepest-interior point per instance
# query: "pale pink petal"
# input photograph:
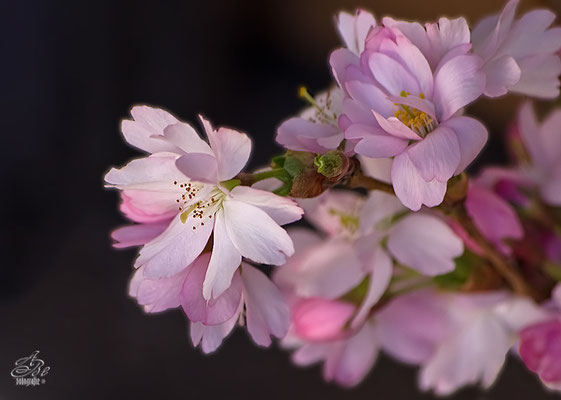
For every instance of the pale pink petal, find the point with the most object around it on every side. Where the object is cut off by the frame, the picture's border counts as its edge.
(380, 268)
(437, 156)
(212, 336)
(231, 149)
(370, 96)
(354, 28)
(412, 326)
(471, 135)
(376, 144)
(327, 269)
(148, 121)
(184, 137)
(150, 185)
(281, 209)
(255, 234)
(529, 129)
(392, 75)
(136, 235)
(410, 187)
(395, 127)
(224, 262)
(415, 32)
(379, 168)
(411, 58)
(299, 134)
(475, 353)
(214, 311)
(153, 173)
(425, 243)
(199, 167)
(492, 215)
(267, 312)
(551, 189)
(340, 60)
(445, 36)
(174, 249)
(540, 76)
(319, 319)
(161, 294)
(456, 84)
(352, 360)
(148, 207)
(379, 206)
(501, 75)
(550, 138)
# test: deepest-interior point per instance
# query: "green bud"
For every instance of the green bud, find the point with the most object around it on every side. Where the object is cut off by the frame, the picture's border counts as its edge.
(329, 164)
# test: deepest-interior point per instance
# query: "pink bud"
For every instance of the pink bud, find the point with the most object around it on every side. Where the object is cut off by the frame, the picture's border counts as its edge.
(540, 348)
(320, 319)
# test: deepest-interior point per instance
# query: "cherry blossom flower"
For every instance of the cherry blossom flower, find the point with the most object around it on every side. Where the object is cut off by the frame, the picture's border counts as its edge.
(189, 188)
(316, 129)
(347, 360)
(520, 55)
(483, 327)
(398, 106)
(353, 249)
(543, 144)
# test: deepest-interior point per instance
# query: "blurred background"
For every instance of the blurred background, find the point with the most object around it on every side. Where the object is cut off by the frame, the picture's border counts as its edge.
(70, 72)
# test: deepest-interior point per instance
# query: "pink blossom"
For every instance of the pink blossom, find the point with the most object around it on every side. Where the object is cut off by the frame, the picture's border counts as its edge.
(186, 187)
(543, 143)
(250, 294)
(493, 216)
(398, 106)
(346, 360)
(482, 328)
(520, 55)
(353, 249)
(316, 129)
(266, 313)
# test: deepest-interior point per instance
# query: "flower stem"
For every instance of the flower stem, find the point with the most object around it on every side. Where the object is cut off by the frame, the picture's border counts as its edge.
(248, 179)
(359, 180)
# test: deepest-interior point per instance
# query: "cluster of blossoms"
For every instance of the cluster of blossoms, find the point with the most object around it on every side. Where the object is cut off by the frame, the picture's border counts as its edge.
(407, 255)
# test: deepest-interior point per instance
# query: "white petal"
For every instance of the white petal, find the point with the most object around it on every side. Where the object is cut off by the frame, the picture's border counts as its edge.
(174, 249)
(267, 312)
(224, 261)
(281, 209)
(256, 235)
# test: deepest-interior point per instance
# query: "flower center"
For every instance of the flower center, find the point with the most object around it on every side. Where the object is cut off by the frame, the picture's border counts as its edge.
(418, 121)
(201, 210)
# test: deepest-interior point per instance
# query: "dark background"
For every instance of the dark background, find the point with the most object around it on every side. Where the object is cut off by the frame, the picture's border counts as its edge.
(69, 72)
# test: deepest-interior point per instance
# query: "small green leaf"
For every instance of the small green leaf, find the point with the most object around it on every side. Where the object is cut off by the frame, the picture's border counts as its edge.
(358, 293)
(293, 166)
(553, 270)
(459, 276)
